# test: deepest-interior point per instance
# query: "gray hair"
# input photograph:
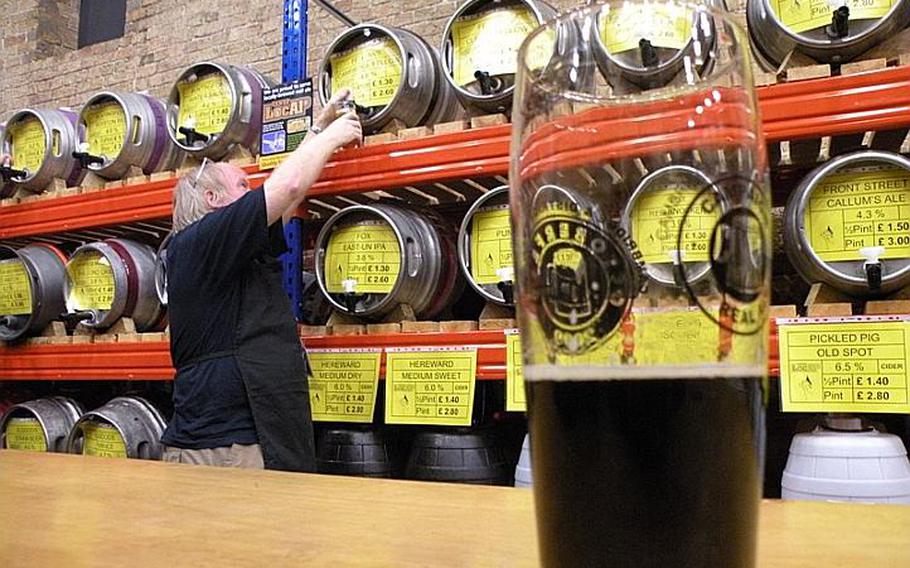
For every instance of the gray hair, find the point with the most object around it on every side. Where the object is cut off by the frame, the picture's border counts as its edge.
(189, 195)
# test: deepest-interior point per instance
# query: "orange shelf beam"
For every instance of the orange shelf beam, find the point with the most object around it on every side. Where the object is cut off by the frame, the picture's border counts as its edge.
(876, 100)
(146, 361)
(149, 361)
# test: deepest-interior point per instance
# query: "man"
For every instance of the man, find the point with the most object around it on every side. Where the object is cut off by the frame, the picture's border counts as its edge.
(240, 395)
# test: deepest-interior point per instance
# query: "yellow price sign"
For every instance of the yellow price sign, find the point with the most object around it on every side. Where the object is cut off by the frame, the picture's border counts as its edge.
(25, 434)
(105, 129)
(15, 288)
(27, 138)
(102, 440)
(674, 337)
(491, 244)
(344, 384)
(853, 210)
(515, 382)
(489, 42)
(91, 281)
(803, 15)
(430, 386)
(205, 104)
(663, 24)
(660, 336)
(844, 367)
(656, 220)
(367, 254)
(371, 70)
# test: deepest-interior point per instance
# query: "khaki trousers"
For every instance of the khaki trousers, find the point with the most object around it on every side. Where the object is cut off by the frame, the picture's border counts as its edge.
(237, 455)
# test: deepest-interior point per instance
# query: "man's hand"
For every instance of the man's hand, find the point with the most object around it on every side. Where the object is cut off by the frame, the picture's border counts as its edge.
(329, 112)
(345, 130)
(288, 184)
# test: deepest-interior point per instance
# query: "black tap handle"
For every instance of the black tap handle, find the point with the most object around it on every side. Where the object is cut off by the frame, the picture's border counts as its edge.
(874, 276)
(486, 82)
(77, 316)
(192, 136)
(648, 53)
(508, 291)
(86, 159)
(364, 112)
(350, 301)
(840, 23)
(8, 173)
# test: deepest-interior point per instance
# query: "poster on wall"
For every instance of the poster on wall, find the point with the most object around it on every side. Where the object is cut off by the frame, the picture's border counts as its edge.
(287, 114)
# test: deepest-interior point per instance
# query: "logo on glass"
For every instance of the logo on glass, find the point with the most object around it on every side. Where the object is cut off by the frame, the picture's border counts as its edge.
(586, 281)
(739, 255)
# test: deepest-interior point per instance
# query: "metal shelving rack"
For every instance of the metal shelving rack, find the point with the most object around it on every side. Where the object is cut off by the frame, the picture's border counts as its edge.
(435, 169)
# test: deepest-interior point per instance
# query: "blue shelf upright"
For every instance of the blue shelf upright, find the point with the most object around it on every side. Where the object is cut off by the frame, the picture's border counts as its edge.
(293, 68)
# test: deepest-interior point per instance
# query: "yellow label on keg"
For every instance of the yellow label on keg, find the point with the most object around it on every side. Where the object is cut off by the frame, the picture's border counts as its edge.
(105, 129)
(102, 440)
(491, 244)
(844, 367)
(15, 288)
(25, 434)
(344, 384)
(803, 15)
(366, 255)
(205, 104)
(91, 282)
(489, 42)
(850, 211)
(28, 144)
(371, 70)
(430, 386)
(656, 220)
(664, 25)
(515, 382)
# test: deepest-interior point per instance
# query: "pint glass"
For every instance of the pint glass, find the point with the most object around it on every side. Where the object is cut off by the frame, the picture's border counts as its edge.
(641, 214)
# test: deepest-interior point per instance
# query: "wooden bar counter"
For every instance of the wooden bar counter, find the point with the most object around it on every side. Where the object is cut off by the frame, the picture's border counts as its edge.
(61, 510)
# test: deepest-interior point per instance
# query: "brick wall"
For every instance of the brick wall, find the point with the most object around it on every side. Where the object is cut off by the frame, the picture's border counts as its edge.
(39, 65)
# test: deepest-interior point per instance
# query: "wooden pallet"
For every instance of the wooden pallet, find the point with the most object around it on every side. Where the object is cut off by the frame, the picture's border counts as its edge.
(824, 301)
(397, 132)
(123, 331)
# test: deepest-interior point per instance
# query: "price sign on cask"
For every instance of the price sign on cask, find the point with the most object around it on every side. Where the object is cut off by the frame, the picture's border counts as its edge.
(430, 386)
(491, 244)
(847, 366)
(25, 434)
(15, 288)
(371, 70)
(366, 256)
(205, 104)
(344, 384)
(851, 211)
(103, 441)
(489, 42)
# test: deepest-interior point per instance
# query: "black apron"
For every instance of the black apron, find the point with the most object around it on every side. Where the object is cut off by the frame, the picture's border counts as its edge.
(273, 370)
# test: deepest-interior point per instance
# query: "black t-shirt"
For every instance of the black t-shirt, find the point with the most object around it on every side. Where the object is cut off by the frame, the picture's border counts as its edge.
(205, 265)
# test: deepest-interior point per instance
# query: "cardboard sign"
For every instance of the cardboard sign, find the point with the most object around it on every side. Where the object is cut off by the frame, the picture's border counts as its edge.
(852, 366)
(287, 115)
(430, 386)
(344, 384)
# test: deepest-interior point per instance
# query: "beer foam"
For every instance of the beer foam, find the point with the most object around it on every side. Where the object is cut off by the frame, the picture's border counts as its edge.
(562, 373)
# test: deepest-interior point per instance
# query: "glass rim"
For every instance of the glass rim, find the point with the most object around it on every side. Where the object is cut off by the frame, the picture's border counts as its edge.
(574, 14)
